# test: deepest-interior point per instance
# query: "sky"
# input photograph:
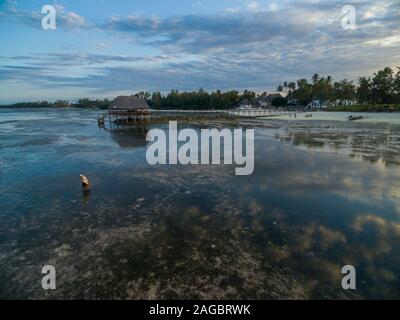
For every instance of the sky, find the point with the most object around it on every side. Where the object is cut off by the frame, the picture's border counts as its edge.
(104, 48)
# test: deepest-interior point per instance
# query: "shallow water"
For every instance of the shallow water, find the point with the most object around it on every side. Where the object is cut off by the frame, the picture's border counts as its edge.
(383, 117)
(324, 194)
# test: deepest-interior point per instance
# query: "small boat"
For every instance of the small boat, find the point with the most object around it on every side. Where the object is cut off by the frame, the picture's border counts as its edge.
(353, 118)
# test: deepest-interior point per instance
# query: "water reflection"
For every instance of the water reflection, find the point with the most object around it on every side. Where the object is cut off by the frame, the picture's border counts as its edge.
(86, 195)
(374, 142)
(132, 137)
(200, 231)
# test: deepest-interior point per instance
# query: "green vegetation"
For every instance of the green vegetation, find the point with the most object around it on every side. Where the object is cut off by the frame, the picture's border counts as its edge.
(94, 104)
(196, 100)
(379, 91)
(38, 104)
(279, 102)
(81, 103)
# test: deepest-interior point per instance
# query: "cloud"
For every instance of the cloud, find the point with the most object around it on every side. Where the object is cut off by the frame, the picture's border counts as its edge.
(73, 20)
(235, 48)
(65, 19)
(232, 10)
(300, 30)
(254, 6)
(77, 59)
(183, 76)
(198, 33)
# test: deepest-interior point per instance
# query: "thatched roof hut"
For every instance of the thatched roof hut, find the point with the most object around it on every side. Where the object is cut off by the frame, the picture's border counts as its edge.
(271, 97)
(245, 104)
(130, 103)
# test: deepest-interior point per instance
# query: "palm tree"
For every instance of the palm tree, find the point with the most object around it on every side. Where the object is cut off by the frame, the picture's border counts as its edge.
(315, 78)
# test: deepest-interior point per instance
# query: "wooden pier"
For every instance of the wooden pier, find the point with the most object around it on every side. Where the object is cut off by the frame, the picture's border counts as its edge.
(119, 118)
(261, 113)
(131, 111)
(127, 111)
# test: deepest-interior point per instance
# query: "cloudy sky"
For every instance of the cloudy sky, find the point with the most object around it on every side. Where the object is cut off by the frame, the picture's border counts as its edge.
(102, 48)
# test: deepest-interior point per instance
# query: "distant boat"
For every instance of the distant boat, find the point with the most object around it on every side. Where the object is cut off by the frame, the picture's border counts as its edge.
(353, 118)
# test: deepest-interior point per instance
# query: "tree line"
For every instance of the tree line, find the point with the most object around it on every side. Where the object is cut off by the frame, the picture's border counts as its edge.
(382, 88)
(199, 99)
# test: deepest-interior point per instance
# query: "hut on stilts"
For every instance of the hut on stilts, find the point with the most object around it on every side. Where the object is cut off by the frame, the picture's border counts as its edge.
(127, 111)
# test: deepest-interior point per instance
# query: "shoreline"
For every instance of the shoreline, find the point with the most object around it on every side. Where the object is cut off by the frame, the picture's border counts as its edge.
(351, 109)
(327, 116)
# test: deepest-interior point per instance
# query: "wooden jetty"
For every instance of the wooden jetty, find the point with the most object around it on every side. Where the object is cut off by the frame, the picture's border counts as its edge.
(131, 110)
(125, 112)
(252, 113)
(262, 113)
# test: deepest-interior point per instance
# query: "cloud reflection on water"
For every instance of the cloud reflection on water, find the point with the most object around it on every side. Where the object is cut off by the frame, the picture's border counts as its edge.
(201, 231)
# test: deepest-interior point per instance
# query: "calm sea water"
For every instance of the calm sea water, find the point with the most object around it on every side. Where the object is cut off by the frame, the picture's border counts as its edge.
(383, 117)
(324, 194)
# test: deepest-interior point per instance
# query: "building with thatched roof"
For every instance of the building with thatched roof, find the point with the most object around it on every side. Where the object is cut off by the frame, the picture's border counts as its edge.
(130, 103)
(125, 111)
(246, 104)
(265, 101)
